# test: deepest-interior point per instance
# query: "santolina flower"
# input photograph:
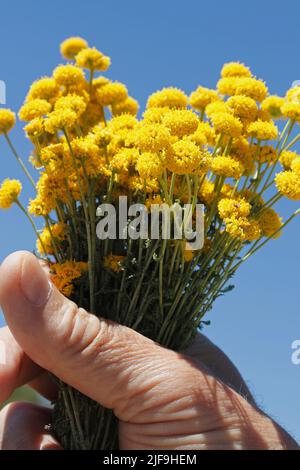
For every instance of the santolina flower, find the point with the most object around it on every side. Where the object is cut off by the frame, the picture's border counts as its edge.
(49, 236)
(63, 275)
(243, 107)
(287, 157)
(9, 193)
(46, 88)
(226, 124)
(68, 75)
(288, 184)
(7, 120)
(234, 206)
(270, 223)
(243, 228)
(34, 109)
(91, 58)
(170, 97)
(291, 110)
(227, 166)
(263, 130)
(201, 97)
(72, 46)
(185, 157)
(150, 165)
(235, 69)
(218, 147)
(59, 120)
(152, 138)
(111, 94)
(113, 262)
(180, 122)
(128, 106)
(273, 104)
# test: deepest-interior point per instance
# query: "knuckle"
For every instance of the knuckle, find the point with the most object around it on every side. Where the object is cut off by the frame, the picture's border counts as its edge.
(82, 334)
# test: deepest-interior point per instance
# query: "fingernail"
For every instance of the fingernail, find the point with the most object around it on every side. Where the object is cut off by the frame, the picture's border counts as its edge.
(35, 283)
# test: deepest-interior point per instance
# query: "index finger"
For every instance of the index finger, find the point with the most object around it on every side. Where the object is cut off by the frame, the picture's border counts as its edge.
(16, 368)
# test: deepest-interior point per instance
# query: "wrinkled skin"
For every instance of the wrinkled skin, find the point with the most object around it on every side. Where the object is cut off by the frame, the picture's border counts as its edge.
(163, 399)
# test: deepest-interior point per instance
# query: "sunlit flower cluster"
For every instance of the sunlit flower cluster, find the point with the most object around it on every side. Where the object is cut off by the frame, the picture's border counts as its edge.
(220, 147)
(230, 150)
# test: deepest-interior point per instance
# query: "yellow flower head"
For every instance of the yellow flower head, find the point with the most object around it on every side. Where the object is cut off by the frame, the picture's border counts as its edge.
(128, 106)
(262, 130)
(111, 94)
(270, 222)
(70, 47)
(155, 115)
(233, 207)
(295, 166)
(204, 163)
(206, 192)
(152, 138)
(204, 129)
(49, 237)
(7, 120)
(227, 86)
(72, 102)
(46, 88)
(151, 200)
(63, 274)
(266, 154)
(68, 75)
(34, 109)
(180, 122)
(293, 94)
(100, 81)
(198, 137)
(252, 87)
(170, 97)
(150, 165)
(243, 107)
(185, 157)
(35, 128)
(113, 262)
(83, 148)
(217, 107)
(201, 97)
(226, 124)
(91, 58)
(50, 189)
(287, 157)
(272, 105)
(124, 159)
(243, 228)
(291, 110)
(188, 255)
(39, 207)
(288, 184)
(60, 119)
(9, 192)
(235, 69)
(136, 183)
(227, 166)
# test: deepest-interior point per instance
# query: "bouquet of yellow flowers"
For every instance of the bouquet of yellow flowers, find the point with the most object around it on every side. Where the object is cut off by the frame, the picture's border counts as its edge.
(200, 170)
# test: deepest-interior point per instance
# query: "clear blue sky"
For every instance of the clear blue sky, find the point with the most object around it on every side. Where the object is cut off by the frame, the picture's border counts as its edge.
(182, 43)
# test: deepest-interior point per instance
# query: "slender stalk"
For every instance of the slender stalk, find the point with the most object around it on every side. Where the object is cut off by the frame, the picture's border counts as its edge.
(87, 224)
(15, 153)
(33, 226)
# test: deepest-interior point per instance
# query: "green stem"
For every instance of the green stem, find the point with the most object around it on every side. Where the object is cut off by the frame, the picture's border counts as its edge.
(15, 153)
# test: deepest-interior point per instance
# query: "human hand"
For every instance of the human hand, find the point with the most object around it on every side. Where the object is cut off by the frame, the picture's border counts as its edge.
(163, 399)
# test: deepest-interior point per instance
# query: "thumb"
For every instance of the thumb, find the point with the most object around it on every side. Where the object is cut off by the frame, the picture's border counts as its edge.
(95, 356)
